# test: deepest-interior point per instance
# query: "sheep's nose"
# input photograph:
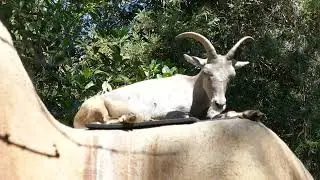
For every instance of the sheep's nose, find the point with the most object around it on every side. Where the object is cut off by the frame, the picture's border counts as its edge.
(220, 106)
(220, 103)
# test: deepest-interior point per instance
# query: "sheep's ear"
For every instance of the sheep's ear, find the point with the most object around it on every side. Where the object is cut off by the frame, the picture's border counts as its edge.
(195, 60)
(240, 64)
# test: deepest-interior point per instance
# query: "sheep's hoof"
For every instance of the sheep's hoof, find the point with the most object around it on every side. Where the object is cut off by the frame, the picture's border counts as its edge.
(254, 115)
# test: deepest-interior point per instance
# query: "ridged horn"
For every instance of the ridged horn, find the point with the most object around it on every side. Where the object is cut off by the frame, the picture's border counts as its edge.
(233, 50)
(201, 39)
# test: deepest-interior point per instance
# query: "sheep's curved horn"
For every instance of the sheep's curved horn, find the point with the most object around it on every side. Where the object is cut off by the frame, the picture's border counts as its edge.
(201, 39)
(233, 50)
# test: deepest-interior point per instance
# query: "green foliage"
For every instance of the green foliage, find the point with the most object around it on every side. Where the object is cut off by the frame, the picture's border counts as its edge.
(75, 49)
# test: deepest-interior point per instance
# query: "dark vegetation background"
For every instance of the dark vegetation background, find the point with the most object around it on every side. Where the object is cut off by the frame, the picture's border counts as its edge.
(73, 49)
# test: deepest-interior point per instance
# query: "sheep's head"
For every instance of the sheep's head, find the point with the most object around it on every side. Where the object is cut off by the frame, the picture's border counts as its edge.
(216, 70)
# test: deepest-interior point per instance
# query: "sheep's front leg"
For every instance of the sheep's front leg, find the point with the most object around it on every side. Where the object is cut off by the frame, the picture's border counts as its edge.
(254, 115)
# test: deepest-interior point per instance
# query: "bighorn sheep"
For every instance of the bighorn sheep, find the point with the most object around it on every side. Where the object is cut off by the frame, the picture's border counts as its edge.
(202, 95)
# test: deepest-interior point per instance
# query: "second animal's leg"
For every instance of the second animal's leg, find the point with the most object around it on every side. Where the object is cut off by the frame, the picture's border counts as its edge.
(128, 118)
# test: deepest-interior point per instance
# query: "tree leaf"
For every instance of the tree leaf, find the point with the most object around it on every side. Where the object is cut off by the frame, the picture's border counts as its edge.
(89, 85)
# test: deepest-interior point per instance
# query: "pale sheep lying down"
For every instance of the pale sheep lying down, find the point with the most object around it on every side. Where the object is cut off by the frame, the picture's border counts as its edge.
(201, 96)
(108, 111)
